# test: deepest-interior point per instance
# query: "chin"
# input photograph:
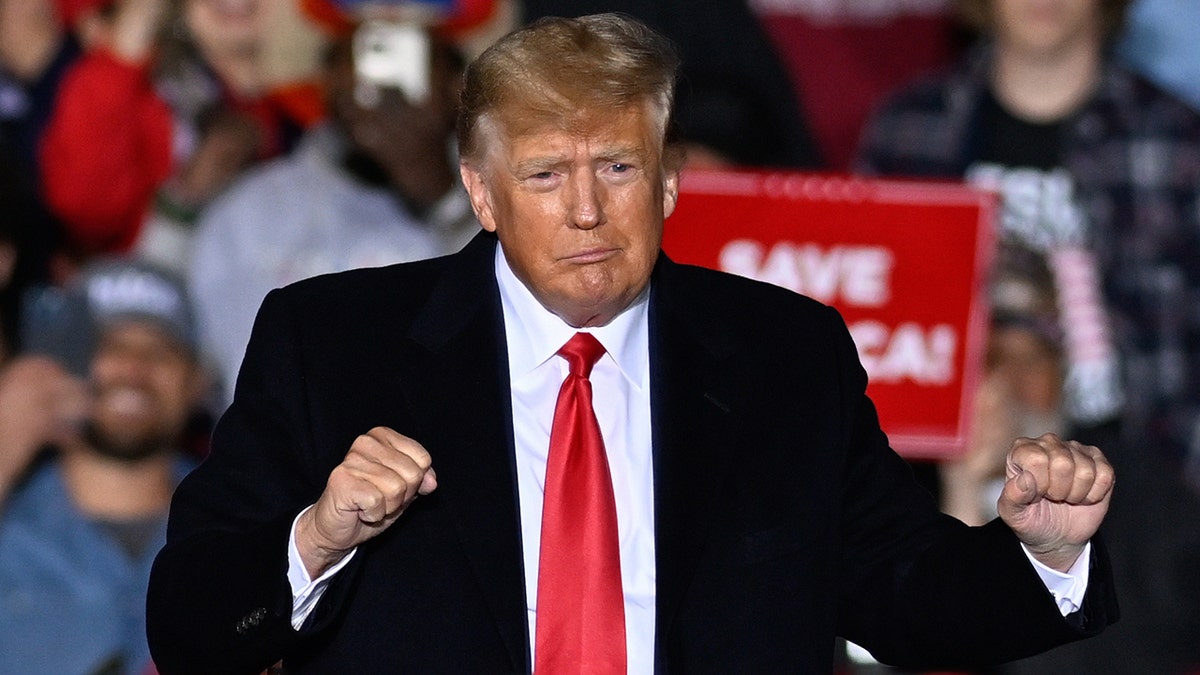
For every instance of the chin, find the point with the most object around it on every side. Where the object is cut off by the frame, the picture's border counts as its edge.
(126, 447)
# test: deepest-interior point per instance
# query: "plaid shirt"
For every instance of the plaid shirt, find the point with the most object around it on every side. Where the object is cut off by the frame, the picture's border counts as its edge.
(1134, 154)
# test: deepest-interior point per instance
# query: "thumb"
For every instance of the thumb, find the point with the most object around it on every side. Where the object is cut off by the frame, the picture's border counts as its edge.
(428, 482)
(1021, 490)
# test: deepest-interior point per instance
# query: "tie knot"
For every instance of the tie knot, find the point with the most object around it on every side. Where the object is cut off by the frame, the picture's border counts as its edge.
(582, 352)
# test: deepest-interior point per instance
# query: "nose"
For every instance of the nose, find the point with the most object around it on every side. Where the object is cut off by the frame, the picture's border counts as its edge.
(123, 362)
(587, 200)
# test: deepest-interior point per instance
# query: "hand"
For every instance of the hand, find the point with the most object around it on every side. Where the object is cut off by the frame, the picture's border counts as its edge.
(407, 140)
(40, 404)
(133, 33)
(229, 143)
(382, 474)
(1055, 497)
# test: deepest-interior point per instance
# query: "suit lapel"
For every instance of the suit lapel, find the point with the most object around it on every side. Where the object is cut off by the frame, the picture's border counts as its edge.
(693, 420)
(460, 387)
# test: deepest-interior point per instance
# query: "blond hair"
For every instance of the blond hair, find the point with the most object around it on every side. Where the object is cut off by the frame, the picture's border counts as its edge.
(566, 72)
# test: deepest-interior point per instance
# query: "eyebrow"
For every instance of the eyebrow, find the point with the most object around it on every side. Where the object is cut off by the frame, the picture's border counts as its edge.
(635, 152)
(547, 162)
(537, 164)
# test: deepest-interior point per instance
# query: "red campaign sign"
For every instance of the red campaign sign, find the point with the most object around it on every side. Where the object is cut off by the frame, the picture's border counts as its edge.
(904, 262)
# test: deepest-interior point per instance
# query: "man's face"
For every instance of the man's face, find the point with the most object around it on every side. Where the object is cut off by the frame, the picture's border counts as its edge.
(1028, 366)
(227, 27)
(145, 385)
(394, 129)
(579, 213)
(1046, 27)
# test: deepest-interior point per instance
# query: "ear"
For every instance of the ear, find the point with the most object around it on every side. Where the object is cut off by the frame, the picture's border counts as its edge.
(481, 197)
(670, 190)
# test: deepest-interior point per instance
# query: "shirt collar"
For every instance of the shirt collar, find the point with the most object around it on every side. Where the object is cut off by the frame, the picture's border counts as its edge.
(535, 334)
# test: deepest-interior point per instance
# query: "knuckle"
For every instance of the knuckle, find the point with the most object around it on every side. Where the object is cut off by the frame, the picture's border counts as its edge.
(394, 484)
(1031, 456)
(340, 476)
(408, 477)
(370, 498)
(363, 443)
(1086, 468)
(421, 456)
(1062, 464)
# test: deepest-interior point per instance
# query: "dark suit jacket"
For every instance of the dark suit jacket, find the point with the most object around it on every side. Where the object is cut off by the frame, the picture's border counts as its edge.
(782, 517)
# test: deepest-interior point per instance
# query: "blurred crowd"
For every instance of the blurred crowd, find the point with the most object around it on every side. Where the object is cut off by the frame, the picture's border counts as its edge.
(166, 163)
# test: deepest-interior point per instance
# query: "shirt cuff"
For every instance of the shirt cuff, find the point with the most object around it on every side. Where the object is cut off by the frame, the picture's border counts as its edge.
(306, 592)
(1068, 588)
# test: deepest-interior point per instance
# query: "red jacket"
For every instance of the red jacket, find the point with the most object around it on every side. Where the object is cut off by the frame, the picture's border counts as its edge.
(111, 142)
(106, 150)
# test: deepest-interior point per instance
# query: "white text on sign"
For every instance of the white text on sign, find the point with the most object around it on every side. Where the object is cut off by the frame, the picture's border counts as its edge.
(850, 275)
(853, 276)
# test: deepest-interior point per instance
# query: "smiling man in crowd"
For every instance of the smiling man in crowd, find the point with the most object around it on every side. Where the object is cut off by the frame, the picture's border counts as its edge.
(90, 429)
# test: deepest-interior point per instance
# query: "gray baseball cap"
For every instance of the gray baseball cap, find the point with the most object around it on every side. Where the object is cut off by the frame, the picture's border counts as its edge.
(120, 290)
(66, 322)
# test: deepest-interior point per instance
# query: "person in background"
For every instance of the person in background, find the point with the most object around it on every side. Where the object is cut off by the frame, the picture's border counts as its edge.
(1021, 394)
(375, 185)
(558, 451)
(35, 51)
(844, 56)
(91, 418)
(1098, 171)
(169, 102)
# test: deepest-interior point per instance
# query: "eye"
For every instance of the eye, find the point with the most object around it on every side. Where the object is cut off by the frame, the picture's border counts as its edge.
(540, 177)
(621, 172)
(542, 181)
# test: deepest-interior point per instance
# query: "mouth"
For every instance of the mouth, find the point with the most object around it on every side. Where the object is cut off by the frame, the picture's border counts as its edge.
(591, 256)
(127, 401)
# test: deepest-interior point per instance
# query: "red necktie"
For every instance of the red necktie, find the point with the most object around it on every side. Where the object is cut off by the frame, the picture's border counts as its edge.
(580, 605)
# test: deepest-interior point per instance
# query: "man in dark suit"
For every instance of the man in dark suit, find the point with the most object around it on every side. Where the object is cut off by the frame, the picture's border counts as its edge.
(758, 509)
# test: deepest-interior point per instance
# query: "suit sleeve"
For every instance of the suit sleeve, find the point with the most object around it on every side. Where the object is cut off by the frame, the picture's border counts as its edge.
(924, 590)
(219, 599)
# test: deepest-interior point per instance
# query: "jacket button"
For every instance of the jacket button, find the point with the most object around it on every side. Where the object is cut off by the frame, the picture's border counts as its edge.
(251, 620)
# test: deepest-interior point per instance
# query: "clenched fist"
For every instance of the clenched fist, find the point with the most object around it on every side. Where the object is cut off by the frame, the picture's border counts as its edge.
(1055, 496)
(382, 474)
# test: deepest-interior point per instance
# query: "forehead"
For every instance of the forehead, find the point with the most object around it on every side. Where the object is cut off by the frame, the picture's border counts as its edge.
(627, 131)
(145, 335)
